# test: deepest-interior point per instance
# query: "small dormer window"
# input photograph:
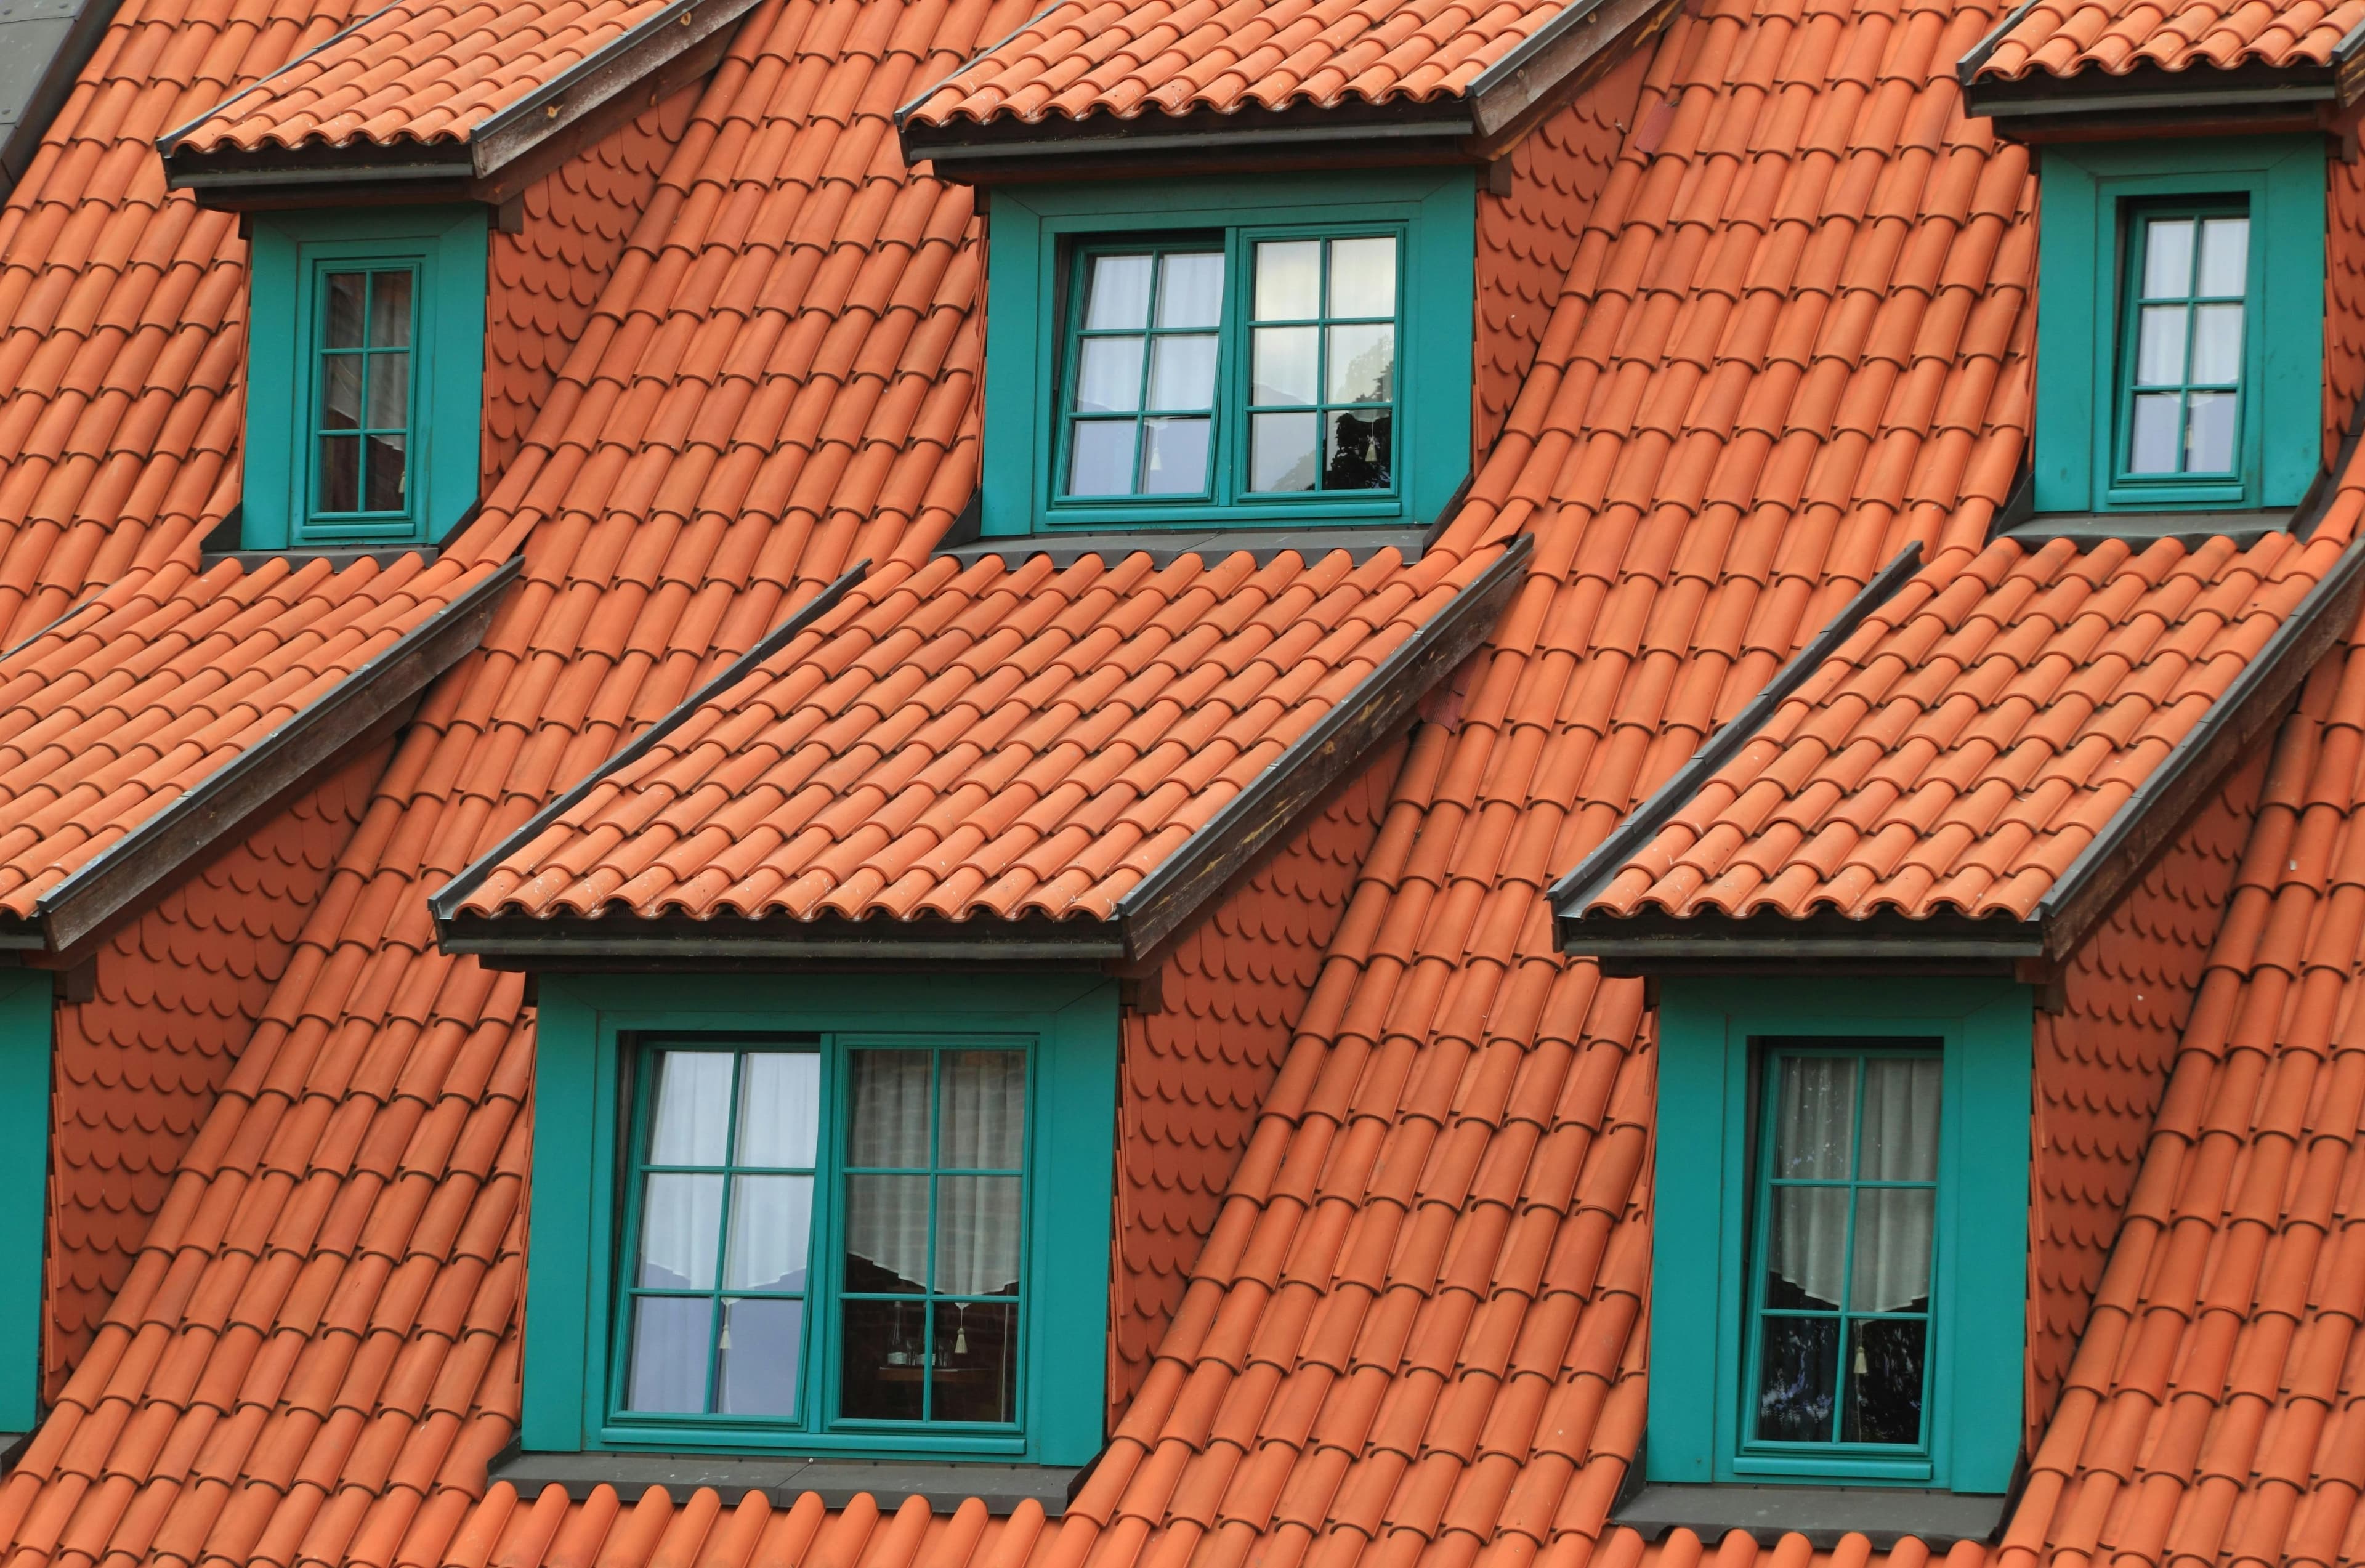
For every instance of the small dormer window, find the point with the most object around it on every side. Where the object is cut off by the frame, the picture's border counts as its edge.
(1278, 352)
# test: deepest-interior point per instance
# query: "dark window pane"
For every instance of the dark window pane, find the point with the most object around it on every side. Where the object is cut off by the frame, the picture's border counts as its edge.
(884, 1360)
(983, 1095)
(976, 1235)
(340, 472)
(387, 474)
(887, 1234)
(1884, 1392)
(671, 1338)
(389, 391)
(343, 328)
(1359, 452)
(1796, 1374)
(976, 1373)
(762, 1344)
(681, 1232)
(389, 326)
(340, 392)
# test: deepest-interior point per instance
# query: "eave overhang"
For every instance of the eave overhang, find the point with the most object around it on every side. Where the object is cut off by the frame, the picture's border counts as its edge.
(69, 919)
(1481, 124)
(1154, 911)
(501, 154)
(1653, 941)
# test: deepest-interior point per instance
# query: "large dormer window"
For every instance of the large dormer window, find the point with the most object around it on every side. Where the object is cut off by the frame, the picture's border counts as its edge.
(1274, 351)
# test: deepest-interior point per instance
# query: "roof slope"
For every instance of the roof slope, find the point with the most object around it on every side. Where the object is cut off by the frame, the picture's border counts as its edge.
(1974, 735)
(2067, 38)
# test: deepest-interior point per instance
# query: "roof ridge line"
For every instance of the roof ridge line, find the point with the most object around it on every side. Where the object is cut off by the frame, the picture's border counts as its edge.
(1599, 865)
(445, 901)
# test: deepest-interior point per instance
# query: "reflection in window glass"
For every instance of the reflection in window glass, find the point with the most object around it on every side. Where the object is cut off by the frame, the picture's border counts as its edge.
(2187, 322)
(1324, 337)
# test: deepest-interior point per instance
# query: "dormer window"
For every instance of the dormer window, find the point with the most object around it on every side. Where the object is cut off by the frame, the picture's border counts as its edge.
(1276, 351)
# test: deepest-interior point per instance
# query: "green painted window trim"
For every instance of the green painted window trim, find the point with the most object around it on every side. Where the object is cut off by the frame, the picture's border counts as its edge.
(1705, 1186)
(587, 1034)
(2085, 193)
(1033, 236)
(445, 246)
(25, 1045)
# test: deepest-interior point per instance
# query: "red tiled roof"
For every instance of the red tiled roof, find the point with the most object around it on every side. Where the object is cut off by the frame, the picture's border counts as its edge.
(982, 743)
(1081, 57)
(418, 71)
(2065, 37)
(156, 685)
(1973, 736)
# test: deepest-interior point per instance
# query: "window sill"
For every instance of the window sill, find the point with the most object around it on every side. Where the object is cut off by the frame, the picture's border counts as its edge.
(2085, 529)
(1001, 1488)
(1883, 1515)
(1164, 546)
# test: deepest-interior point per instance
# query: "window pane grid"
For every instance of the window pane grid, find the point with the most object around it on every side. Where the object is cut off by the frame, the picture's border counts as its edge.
(1334, 429)
(366, 327)
(2186, 331)
(1142, 383)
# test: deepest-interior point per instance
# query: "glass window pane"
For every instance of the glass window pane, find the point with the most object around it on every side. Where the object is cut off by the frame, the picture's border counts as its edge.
(1797, 1377)
(693, 1114)
(1285, 360)
(761, 1349)
(780, 1108)
(1281, 452)
(1289, 280)
(2216, 345)
(976, 1373)
(1108, 376)
(884, 1360)
(771, 1230)
(340, 392)
(2224, 257)
(340, 472)
(1191, 290)
(344, 323)
(1892, 1248)
(387, 471)
(891, 1109)
(976, 1235)
(1363, 276)
(1814, 1125)
(1884, 1393)
(389, 323)
(2159, 345)
(1100, 462)
(2152, 446)
(1356, 453)
(1182, 372)
(983, 1116)
(2209, 433)
(1119, 293)
(389, 391)
(887, 1234)
(2168, 258)
(1363, 364)
(1900, 1119)
(1806, 1248)
(1173, 458)
(671, 1338)
(681, 1232)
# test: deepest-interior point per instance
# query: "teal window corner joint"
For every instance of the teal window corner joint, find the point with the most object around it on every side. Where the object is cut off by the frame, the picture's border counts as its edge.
(365, 376)
(832, 1222)
(2180, 325)
(1842, 1213)
(1282, 350)
(26, 1001)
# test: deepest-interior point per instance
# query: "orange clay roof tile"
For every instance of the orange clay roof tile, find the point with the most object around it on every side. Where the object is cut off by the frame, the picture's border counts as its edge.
(2067, 38)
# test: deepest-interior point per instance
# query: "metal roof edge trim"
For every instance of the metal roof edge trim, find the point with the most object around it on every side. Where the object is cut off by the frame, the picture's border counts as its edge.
(102, 886)
(1584, 880)
(1978, 53)
(679, 942)
(1105, 138)
(1162, 901)
(2092, 883)
(924, 93)
(444, 902)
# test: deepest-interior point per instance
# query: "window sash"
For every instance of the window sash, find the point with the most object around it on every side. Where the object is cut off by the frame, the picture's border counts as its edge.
(820, 1382)
(374, 359)
(2137, 220)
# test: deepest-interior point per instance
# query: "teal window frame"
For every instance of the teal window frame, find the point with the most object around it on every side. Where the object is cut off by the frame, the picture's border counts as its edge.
(1712, 1033)
(592, 1034)
(27, 1035)
(1035, 239)
(445, 249)
(2090, 195)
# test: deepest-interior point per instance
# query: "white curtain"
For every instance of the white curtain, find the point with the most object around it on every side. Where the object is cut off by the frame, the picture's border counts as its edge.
(981, 1112)
(1813, 1132)
(779, 1110)
(887, 1217)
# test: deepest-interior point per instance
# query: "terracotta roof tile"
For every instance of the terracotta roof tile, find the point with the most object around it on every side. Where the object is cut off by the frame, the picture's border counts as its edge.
(2067, 38)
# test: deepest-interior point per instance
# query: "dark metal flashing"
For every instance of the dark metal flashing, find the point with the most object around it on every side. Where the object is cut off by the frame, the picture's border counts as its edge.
(1003, 1488)
(1166, 548)
(1968, 66)
(445, 903)
(1883, 1515)
(2201, 100)
(1150, 913)
(2192, 529)
(1651, 942)
(502, 153)
(44, 44)
(157, 851)
(1585, 879)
